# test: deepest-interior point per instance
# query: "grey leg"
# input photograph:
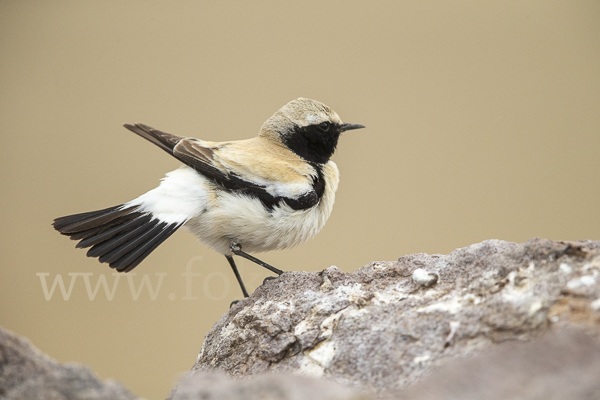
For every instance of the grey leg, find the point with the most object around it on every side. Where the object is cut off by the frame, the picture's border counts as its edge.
(236, 249)
(237, 275)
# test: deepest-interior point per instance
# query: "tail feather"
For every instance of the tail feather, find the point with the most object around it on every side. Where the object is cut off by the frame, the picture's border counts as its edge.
(62, 222)
(86, 234)
(120, 236)
(153, 244)
(131, 259)
(93, 232)
(102, 235)
(113, 249)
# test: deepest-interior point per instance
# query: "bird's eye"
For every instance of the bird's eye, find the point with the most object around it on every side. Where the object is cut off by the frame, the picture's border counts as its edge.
(324, 126)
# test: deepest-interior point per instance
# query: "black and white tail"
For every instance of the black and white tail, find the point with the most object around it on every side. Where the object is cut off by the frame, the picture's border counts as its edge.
(122, 236)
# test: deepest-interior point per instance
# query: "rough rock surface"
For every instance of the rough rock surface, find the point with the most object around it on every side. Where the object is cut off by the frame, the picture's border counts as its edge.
(218, 386)
(562, 365)
(385, 326)
(26, 373)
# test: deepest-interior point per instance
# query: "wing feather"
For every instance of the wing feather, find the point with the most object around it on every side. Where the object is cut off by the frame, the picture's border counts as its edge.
(201, 158)
(164, 140)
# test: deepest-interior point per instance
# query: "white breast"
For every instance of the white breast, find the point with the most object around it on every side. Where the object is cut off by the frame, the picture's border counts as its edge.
(228, 216)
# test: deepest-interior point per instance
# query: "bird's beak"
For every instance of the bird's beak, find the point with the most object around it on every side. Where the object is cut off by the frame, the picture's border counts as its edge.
(349, 127)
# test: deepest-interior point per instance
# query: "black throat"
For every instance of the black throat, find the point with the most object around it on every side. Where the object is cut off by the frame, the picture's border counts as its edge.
(312, 144)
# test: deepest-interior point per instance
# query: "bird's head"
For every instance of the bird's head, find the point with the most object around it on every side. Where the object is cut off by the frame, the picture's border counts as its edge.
(308, 128)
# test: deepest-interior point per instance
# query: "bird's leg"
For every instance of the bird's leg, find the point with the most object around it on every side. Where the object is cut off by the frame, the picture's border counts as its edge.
(236, 249)
(237, 275)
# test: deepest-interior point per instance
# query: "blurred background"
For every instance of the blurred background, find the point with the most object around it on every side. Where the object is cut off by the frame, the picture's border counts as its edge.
(483, 121)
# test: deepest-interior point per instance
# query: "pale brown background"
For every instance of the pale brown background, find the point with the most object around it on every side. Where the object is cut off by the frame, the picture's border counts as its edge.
(483, 121)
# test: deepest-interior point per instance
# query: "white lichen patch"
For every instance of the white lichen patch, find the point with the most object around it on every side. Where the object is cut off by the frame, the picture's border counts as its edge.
(268, 307)
(310, 320)
(451, 306)
(310, 367)
(302, 326)
(422, 359)
(380, 265)
(390, 295)
(323, 353)
(582, 281)
(229, 329)
(351, 292)
(329, 324)
(595, 305)
(454, 325)
(519, 288)
(566, 269)
(535, 307)
(471, 299)
(490, 274)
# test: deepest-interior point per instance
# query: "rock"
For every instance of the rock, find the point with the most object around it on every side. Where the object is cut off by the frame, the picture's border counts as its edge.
(217, 386)
(493, 320)
(381, 327)
(26, 373)
(562, 365)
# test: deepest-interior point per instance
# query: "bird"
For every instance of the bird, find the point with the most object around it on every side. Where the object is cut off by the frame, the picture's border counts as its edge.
(270, 192)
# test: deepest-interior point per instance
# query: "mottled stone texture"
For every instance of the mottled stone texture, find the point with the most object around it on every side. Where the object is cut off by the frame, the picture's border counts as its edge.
(27, 374)
(562, 365)
(218, 386)
(384, 326)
